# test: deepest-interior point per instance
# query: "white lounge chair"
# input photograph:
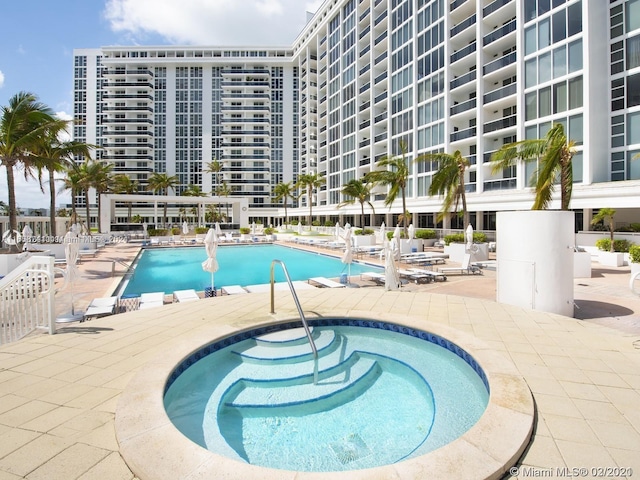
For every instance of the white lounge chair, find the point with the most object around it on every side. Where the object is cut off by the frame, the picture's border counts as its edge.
(233, 290)
(185, 295)
(100, 307)
(150, 300)
(431, 273)
(326, 282)
(414, 276)
(379, 278)
(464, 268)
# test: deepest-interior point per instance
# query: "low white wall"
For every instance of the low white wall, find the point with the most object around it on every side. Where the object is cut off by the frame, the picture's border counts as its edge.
(456, 251)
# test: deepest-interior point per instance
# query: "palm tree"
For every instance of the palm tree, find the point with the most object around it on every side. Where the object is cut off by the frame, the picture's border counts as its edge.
(606, 214)
(161, 183)
(102, 182)
(22, 122)
(284, 191)
(359, 191)
(91, 174)
(194, 191)
(214, 167)
(555, 152)
(309, 182)
(55, 156)
(397, 177)
(123, 185)
(449, 181)
(71, 182)
(224, 190)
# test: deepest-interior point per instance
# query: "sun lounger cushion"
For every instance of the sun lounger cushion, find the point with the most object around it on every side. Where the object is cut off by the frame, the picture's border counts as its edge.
(185, 295)
(233, 290)
(326, 282)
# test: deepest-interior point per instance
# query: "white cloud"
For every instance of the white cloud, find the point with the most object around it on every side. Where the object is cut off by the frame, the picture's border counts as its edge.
(1, 79)
(211, 22)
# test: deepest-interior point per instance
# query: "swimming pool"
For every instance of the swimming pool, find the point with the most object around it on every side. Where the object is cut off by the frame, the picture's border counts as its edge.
(384, 394)
(171, 269)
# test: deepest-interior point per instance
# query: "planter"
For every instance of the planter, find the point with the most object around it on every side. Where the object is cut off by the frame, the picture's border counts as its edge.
(581, 265)
(411, 246)
(635, 268)
(611, 259)
(363, 240)
(456, 251)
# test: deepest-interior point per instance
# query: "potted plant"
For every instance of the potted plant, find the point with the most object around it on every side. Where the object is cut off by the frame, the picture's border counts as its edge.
(634, 259)
(364, 237)
(244, 234)
(610, 256)
(269, 233)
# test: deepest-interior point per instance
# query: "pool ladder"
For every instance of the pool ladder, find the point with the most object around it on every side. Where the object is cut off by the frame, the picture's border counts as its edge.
(300, 312)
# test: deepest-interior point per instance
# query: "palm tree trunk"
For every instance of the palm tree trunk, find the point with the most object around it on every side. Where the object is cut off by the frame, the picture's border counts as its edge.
(310, 208)
(362, 216)
(465, 213)
(74, 214)
(565, 185)
(86, 206)
(404, 213)
(99, 210)
(52, 204)
(164, 217)
(13, 214)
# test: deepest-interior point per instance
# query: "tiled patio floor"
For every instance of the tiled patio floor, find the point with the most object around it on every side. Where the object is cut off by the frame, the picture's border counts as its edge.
(58, 394)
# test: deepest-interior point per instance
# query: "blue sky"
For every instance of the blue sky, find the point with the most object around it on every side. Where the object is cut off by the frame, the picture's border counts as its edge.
(39, 36)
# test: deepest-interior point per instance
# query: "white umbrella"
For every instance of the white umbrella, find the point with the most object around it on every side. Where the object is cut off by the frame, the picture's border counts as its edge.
(383, 233)
(26, 235)
(336, 232)
(211, 246)
(185, 228)
(71, 274)
(347, 256)
(468, 234)
(411, 233)
(218, 229)
(253, 228)
(299, 228)
(391, 278)
(396, 241)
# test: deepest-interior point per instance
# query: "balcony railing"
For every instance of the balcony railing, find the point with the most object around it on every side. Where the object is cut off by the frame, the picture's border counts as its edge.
(499, 93)
(460, 54)
(492, 7)
(456, 4)
(504, 184)
(499, 63)
(462, 134)
(500, 124)
(463, 107)
(466, 78)
(499, 33)
(463, 25)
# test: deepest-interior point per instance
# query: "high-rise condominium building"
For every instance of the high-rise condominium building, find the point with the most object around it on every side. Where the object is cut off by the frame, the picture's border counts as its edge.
(364, 76)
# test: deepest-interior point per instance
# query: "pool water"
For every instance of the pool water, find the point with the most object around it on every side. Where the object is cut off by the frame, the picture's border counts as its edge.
(381, 397)
(170, 269)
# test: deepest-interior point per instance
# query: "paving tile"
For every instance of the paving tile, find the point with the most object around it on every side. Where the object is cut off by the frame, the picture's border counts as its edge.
(616, 435)
(70, 463)
(15, 438)
(570, 428)
(579, 455)
(603, 411)
(32, 455)
(112, 467)
(583, 391)
(24, 413)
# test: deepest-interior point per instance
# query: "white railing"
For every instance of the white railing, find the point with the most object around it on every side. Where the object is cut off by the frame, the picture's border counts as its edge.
(27, 299)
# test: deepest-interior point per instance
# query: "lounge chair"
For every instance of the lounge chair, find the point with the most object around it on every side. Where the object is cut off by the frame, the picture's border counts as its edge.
(150, 300)
(326, 282)
(100, 307)
(414, 276)
(185, 296)
(379, 278)
(435, 275)
(233, 290)
(464, 268)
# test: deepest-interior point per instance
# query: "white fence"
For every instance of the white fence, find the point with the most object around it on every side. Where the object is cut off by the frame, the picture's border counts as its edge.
(27, 299)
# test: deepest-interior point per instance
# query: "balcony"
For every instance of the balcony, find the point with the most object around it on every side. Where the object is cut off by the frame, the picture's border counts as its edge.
(380, 137)
(380, 58)
(364, 32)
(456, 4)
(499, 33)
(364, 106)
(380, 97)
(380, 117)
(365, 87)
(463, 107)
(462, 134)
(460, 54)
(494, 7)
(380, 17)
(500, 124)
(499, 63)
(499, 93)
(504, 184)
(380, 77)
(380, 38)
(462, 80)
(463, 25)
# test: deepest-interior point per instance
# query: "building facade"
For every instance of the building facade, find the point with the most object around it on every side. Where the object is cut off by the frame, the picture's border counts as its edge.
(364, 76)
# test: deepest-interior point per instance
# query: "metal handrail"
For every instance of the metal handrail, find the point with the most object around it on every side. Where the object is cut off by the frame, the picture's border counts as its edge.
(300, 312)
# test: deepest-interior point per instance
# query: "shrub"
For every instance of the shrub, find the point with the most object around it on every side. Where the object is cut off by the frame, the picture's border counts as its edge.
(245, 230)
(604, 244)
(634, 253)
(425, 234)
(635, 227)
(366, 231)
(316, 223)
(157, 232)
(294, 222)
(329, 224)
(201, 230)
(478, 237)
(268, 231)
(175, 231)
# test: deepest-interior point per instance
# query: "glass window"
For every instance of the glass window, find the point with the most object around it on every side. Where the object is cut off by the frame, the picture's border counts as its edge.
(559, 26)
(633, 52)
(575, 93)
(544, 70)
(633, 128)
(576, 129)
(531, 133)
(529, 10)
(574, 14)
(576, 167)
(632, 15)
(530, 73)
(575, 56)
(560, 61)
(544, 129)
(559, 97)
(530, 40)
(633, 90)
(634, 165)
(530, 100)
(544, 34)
(544, 102)
(543, 6)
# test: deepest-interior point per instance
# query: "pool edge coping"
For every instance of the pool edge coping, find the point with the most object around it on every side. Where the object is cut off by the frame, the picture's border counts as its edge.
(153, 448)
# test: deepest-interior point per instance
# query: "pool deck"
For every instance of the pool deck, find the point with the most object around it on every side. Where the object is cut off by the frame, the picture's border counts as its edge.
(59, 393)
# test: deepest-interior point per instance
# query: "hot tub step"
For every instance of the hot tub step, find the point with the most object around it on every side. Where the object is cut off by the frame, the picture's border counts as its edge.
(283, 352)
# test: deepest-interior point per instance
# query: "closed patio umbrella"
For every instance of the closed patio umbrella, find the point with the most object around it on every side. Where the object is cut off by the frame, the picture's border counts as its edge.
(336, 232)
(218, 229)
(391, 278)
(211, 263)
(347, 256)
(26, 235)
(71, 273)
(468, 234)
(411, 232)
(383, 233)
(185, 228)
